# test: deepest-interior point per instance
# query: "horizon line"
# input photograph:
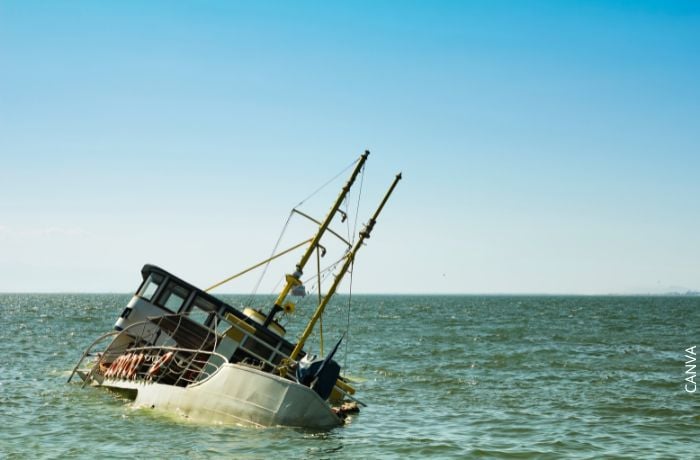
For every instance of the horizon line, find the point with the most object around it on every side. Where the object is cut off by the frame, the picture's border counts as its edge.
(688, 293)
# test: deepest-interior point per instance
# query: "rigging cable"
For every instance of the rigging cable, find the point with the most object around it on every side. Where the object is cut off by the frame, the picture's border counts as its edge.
(326, 184)
(284, 228)
(357, 208)
(352, 270)
(267, 265)
(312, 283)
(320, 297)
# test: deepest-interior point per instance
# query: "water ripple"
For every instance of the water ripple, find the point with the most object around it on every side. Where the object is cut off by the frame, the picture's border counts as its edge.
(444, 377)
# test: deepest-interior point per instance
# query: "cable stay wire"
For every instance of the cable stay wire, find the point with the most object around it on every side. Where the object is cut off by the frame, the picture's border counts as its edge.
(347, 327)
(267, 265)
(357, 208)
(321, 275)
(286, 224)
(352, 270)
(326, 184)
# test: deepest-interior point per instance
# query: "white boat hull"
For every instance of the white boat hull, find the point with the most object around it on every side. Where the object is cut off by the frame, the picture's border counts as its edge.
(235, 394)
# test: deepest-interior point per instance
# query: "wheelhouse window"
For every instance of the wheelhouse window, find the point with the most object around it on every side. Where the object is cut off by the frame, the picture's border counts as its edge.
(150, 287)
(174, 297)
(202, 311)
(199, 316)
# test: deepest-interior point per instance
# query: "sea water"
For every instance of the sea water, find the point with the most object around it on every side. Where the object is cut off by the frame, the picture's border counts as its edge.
(442, 377)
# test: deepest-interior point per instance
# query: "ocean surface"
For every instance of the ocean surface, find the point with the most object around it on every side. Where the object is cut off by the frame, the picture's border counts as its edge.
(442, 377)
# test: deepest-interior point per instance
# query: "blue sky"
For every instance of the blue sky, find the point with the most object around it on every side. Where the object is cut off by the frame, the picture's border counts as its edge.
(547, 147)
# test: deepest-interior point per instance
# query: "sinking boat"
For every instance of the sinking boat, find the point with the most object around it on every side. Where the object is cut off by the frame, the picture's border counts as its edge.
(178, 348)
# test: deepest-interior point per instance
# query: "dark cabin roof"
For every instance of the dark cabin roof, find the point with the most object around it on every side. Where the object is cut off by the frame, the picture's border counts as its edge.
(147, 269)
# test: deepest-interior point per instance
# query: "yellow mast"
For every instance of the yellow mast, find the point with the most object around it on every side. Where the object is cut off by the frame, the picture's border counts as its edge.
(293, 279)
(349, 257)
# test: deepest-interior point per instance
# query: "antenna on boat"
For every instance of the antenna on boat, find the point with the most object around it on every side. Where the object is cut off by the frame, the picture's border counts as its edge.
(293, 280)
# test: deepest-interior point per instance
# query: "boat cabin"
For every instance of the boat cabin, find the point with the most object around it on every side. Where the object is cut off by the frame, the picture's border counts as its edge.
(166, 310)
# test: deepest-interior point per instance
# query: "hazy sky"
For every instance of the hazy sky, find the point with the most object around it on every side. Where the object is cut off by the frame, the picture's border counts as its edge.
(547, 147)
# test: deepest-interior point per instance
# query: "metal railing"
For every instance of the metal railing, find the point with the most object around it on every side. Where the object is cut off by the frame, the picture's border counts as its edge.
(87, 351)
(165, 364)
(140, 358)
(137, 358)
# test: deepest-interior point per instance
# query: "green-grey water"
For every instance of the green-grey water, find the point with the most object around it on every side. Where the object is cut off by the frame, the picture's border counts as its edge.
(443, 377)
